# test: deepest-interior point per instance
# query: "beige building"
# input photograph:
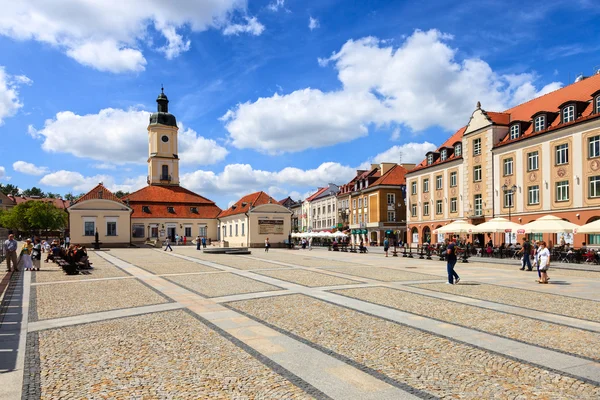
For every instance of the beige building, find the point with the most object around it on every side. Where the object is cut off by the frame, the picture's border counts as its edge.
(253, 219)
(541, 157)
(6, 203)
(100, 211)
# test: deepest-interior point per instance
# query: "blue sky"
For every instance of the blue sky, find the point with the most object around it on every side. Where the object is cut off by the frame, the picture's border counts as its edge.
(281, 96)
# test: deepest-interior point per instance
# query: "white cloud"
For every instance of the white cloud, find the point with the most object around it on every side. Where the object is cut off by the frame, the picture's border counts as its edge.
(29, 168)
(395, 134)
(119, 136)
(252, 26)
(420, 84)
(313, 23)
(276, 5)
(9, 93)
(78, 183)
(408, 153)
(2, 173)
(106, 166)
(107, 35)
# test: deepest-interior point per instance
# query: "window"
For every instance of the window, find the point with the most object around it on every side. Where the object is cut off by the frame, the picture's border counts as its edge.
(539, 123)
(354, 219)
(594, 186)
(365, 201)
(438, 182)
(236, 229)
(426, 208)
(508, 166)
(532, 161)
(360, 203)
(230, 230)
(188, 231)
(533, 195)
(597, 104)
(478, 201)
(413, 210)
(224, 231)
(453, 179)
(594, 145)
(138, 231)
(111, 228)
(514, 131)
(593, 239)
(366, 218)
(438, 207)
(508, 199)
(146, 209)
(391, 199)
(477, 146)
(444, 155)
(453, 205)
(562, 154)
(202, 231)
(425, 185)
(329, 209)
(89, 228)
(429, 159)
(171, 210)
(568, 114)
(477, 173)
(391, 216)
(360, 219)
(154, 232)
(195, 211)
(458, 150)
(562, 191)
(413, 188)
(354, 203)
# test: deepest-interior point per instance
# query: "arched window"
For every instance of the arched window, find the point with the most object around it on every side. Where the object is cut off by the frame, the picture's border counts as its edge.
(593, 238)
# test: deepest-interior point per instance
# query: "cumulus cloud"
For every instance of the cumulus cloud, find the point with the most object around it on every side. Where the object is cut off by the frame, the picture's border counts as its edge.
(9, 93)
(313, 23)
(276, 5)
(408, 153)
(420, 84)
(76, 182)
(118, 136)
(251, 26)
(107, 35)
(29, 168)
(2, 172)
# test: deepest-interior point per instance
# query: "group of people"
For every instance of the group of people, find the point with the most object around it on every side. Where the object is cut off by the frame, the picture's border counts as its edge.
(541, 258)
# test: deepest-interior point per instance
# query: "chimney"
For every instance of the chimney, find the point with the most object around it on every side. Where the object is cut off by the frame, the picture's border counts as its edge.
(373, 166)
(385, 167)
(409, 167)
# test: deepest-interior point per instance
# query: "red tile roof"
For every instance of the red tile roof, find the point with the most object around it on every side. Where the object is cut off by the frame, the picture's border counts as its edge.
(205, 211)
(317, 193)
(457, 137)
(58, 203)
(166, 194)
(395, 176)
(282, 202)
(251, 200)
(99, 192)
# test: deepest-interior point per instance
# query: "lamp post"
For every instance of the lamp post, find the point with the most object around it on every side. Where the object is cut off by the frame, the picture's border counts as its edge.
(509, 189)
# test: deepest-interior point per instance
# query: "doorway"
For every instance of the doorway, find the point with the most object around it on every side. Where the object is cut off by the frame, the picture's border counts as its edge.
(171, 234)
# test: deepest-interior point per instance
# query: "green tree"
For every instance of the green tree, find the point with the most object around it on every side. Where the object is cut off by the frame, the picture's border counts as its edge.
(9, 189)
(69, 196)
(51, 195)
(34, 216)
(120, 194)
(34, 191)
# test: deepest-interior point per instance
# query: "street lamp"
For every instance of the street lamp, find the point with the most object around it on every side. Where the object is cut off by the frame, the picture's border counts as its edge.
(512, 189)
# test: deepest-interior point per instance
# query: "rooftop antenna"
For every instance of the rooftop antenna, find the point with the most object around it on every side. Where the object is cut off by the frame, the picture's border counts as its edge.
(162, 89)
(597, 70)
(400, 158)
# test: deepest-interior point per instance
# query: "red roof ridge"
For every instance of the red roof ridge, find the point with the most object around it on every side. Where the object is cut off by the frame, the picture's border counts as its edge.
(244, 204)
(93, 194)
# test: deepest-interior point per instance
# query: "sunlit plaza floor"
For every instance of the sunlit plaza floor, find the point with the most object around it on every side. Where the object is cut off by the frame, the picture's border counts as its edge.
(291, 324)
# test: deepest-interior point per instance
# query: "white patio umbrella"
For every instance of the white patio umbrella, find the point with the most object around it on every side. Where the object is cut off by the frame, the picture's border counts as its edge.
(592, 227)
(458, 226)
(498, 225)
(550, 224)
(339, 234)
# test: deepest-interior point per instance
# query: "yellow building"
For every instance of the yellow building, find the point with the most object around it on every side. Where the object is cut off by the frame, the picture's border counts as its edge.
(540, 157)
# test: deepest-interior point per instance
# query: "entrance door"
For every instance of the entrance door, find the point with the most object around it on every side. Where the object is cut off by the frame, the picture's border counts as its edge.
(171, 234)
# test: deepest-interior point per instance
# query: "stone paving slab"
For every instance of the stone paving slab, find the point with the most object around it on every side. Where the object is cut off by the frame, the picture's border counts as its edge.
(300, 258)
(385, 274)
(429, 363)
(307, 278)
(540, 333)
(50, 272)
(158, 263)
(544, 302)
(221, 284)
(68, 299)
(245, 263)
(159, 355)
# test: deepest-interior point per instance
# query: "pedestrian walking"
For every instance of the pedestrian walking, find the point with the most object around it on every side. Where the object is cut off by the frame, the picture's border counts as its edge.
(185, 240)
(543, 262)
(67, 242)
(267, 245)
(36, 255)
(453, 277)
(168, 244)
(10, 249)
(26, 251)
(386, 246)
(176, 240)
(198, 242)
(526, 251)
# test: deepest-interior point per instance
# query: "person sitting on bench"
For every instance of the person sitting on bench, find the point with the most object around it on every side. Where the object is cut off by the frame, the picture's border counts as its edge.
(362, 248)
(54, 252)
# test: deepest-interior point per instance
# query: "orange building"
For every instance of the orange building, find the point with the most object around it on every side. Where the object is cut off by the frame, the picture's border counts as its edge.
(540, 157)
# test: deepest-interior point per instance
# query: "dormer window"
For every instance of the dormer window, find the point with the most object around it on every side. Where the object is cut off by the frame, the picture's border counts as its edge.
(458, 150)
(194, 210)
(429, 159)
(539, 123)
(146, 209)
(444, 155)
(171, 210)
(568, 113)
(515, 130)
(597, 108)
(233, 207)
(244, 204)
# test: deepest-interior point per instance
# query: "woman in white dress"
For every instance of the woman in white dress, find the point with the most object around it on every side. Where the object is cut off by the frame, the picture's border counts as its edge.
(543, 262)
(26, 255)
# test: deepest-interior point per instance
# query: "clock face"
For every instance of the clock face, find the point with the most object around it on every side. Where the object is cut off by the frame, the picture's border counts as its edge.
(165, 138)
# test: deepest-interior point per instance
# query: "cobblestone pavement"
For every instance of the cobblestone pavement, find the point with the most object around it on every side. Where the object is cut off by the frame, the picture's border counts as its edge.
(424, 361)
(544, 302)
(540, 333)
(221, 284)
(145, 324)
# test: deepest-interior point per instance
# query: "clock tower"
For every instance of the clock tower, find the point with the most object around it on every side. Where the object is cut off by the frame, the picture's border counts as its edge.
(163, 161)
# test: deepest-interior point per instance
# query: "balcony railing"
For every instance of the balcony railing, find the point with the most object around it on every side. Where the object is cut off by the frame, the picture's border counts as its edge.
(165, 178)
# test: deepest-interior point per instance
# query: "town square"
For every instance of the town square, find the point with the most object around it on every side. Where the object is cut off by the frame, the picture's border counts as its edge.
(275, 199)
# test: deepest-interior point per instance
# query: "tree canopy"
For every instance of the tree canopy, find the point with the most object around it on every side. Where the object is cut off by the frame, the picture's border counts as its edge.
(9, 189)
(33, 192)
(34, 215)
